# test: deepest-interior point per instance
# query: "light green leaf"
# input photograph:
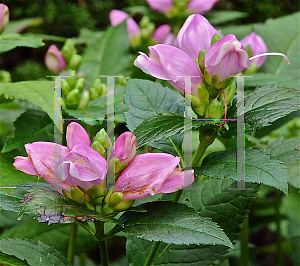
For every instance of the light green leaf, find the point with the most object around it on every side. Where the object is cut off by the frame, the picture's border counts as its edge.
(10, 41)
(107, 55)
(219, 17)
(40, 93)
(146, 99)
(33, 253)
(259, 168)
(175, 223)
(33, 125)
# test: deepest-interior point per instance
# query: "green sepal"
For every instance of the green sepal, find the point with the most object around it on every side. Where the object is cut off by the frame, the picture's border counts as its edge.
(89, 205)
(253, 69)
(115, 199)
(124, 205)
(77, 195)
(97, 201)
(214, 84)
(66, 193)
(201, 60)
(107, 211)
(229, 93)
(99, 148)
(200, 100)
(97, 191)
(215, 38)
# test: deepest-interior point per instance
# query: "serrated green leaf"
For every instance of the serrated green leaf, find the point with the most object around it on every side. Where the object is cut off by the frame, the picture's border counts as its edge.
(259, 168)
(11, 260)
(40, 93)
(262, 107)
(162, 126)
(107, 55)
(33, 253)
(33, 125)
(146, 99)
(171, 222)
(285, 150)
(211, 198)
(10, 41)
(31, 229)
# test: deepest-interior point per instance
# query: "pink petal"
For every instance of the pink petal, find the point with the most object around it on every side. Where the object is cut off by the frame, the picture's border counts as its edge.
(125, 147)
(161, 33)
(76, 134)
(201, 6)
(116, 17)
(162, 6)
(145, 175)
(54, 60)
(24, 164)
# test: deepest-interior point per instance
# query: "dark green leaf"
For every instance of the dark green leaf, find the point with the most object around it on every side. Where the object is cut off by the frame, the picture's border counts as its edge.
(11, 260)
(146, 99)
(40, 93)
(33, 253)
(10, 41)
(171, 222)
(285, 150)
(107, 55)
(33, 125)
(259, 168)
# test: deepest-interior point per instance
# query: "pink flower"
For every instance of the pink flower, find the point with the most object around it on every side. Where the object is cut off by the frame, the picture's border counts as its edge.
(54, 60)
(257, 46)
(169, 63)
(152, 173)
(226, 57)
(125, 147)
(163, 34)
(116, 17)
(200, 6)
(4, 16)
(65, 167)
(162, 6)
(195, 35)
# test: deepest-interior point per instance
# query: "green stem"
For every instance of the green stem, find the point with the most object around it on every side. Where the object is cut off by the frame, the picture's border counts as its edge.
(112, 232)
(85, 226)
(152, 254)
(99, 225)
(244, 240)
(207, 135)
(72, 242)
(278, 228)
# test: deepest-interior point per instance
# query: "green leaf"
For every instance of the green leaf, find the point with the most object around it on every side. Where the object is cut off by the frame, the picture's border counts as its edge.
(20, 25)
(33, 125)
(259, 168)
(33, 253)
(49, 235)
(11, 260)
(219, 17)
(10, 41)
(263, 106)
(211, 198)
(285, 29)
(285, 150)
(40, 93)
(175, 223)
(146, 99)
(162, 126)
(107, 55)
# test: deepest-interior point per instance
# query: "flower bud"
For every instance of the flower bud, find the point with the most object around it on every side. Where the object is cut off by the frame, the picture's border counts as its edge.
(75, 61)
(5, 77)
(84, 100)
(72, 99)
(257, 46)
(200, 100)
(4, 17)
(162, 6)
(72, 79)
(98, 86)
(93, 93)
(125, 147)
(104, 140)
(214, 110)
(63, 104)
(54, 60)
(226, 58)
(68, 50)
(65, 87)
(80, 84)
(200, 6)
(77, 195)
(163, 34)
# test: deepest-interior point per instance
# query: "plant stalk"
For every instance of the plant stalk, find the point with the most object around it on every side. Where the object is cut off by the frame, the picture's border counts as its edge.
(278, 227)
(244, 240)
(152, 254)
(72, 242)
(99, 225)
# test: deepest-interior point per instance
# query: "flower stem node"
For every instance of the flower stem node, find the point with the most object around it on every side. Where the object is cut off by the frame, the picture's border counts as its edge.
(214, 110)
(201, 100)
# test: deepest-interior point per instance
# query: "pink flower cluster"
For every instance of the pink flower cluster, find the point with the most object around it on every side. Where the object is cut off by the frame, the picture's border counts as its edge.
(80, 165)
